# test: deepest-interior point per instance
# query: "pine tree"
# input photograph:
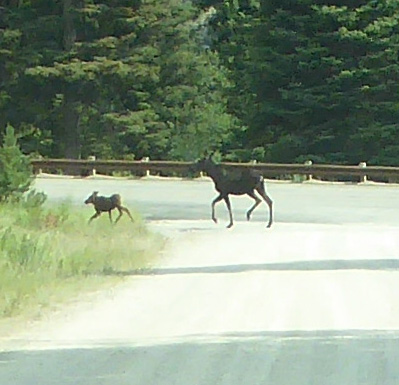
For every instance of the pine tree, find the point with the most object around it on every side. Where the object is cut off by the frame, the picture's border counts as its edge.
(319, 78)
(15, 168)
(190, 90)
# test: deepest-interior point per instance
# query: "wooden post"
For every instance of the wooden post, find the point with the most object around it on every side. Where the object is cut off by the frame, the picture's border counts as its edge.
(146, 159)
(363, 178)
(92, 158)
(308, 163)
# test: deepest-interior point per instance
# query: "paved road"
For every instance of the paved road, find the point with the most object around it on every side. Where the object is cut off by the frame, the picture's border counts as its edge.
(294, 203)
(311, 301)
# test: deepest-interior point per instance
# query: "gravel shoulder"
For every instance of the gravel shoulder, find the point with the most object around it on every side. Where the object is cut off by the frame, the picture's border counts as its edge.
(216, 282)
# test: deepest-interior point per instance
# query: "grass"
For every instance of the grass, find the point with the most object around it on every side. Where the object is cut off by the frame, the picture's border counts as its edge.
(48, 254)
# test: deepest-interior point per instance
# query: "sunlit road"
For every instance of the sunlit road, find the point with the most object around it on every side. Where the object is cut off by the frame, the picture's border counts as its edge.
(313, 300)
(294, 203)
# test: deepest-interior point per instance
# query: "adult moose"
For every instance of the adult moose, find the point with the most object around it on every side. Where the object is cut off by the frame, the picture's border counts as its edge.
(235, 182)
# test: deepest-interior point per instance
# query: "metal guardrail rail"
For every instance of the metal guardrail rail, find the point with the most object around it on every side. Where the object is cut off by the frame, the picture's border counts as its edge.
(87, 167)
(108, 166)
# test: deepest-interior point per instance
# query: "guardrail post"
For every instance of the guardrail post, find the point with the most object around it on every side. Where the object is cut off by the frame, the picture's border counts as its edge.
(146, 159)
(308, 163)
(92, 158)
(363, 178)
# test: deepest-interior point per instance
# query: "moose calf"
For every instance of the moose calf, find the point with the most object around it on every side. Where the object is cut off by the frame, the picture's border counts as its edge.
(103, 204)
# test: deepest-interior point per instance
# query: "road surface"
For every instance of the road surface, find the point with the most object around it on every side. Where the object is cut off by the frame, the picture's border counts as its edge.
(294, 203)
(313, 300)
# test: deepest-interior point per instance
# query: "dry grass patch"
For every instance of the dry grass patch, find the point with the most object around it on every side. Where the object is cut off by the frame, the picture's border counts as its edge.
(48, 253)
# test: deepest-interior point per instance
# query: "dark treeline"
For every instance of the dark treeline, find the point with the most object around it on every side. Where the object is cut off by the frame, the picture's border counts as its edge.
(272, 80)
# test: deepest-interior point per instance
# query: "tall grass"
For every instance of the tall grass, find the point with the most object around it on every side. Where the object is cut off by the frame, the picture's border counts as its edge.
(49, 250)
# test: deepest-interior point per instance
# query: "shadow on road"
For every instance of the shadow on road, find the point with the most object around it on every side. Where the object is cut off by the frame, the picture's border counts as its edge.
(327, 265)
(301, 358)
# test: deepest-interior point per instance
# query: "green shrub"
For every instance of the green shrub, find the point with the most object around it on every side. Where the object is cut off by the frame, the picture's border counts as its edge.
(15, 168)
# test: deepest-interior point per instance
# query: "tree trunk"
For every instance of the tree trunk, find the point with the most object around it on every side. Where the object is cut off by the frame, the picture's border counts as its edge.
(69, 27)
(71, 137)
(71, 146)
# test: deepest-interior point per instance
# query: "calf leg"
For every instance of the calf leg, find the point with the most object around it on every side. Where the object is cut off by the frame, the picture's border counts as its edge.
(122, 209)
(119, 216)
(97, 214)
(126, 210)
(256, 204)
(216, 200)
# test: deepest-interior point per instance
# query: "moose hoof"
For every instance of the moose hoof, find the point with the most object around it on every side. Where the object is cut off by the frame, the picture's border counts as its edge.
(215, 220)
(248, 217)
(230, 226)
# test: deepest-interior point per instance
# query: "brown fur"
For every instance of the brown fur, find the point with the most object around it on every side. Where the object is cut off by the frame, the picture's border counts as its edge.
(107, 204)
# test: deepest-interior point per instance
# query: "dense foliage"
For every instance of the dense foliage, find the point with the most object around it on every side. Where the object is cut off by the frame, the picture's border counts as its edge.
(275, 80)
(320, 78)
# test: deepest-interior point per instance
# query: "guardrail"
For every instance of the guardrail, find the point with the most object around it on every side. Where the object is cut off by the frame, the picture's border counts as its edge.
(273, 170)
(74, 166)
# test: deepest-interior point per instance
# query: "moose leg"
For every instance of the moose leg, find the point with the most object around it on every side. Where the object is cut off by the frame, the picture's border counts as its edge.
(110, 216)
(122, 209)
(126, 210)
(120, 214)
(216, 200)
(261, 190)
(227, 200)
(97, 214)
(256, 204)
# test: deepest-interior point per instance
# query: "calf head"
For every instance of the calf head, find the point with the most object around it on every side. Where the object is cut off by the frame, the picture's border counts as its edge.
(91, 198)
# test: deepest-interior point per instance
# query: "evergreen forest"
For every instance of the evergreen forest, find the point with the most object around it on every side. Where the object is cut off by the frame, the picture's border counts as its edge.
(280, 81)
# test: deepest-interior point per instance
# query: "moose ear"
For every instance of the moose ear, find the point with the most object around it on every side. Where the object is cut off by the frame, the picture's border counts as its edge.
(95, 192)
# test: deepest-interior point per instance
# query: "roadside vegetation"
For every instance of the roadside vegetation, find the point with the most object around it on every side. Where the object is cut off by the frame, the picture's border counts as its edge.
(49, 253)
